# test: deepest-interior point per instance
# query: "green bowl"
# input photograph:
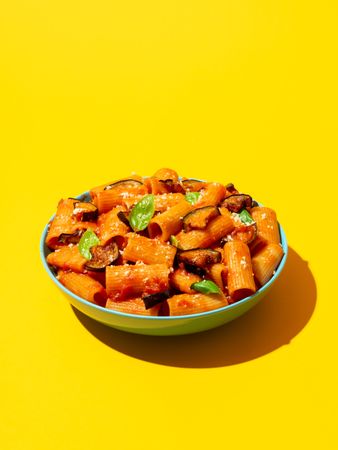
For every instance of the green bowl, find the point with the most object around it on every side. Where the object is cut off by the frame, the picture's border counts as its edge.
(163, 326)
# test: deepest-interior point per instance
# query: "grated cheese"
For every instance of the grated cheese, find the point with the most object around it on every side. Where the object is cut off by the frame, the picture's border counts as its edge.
(243, 262)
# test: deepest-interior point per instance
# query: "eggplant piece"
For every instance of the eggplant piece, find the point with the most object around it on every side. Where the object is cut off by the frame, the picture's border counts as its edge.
(192, 185)
(155, 299)
(164, 309)
(236, 202)
(173, 186)
(85, 211)
(102, 256)
(199, 218)
(230, 190)
(123, 217)
(194, 269)
(200, 257)
(72, 238)
(127, 183)
(245, 233)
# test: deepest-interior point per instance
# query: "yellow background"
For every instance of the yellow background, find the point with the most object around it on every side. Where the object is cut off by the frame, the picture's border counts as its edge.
(234, 90)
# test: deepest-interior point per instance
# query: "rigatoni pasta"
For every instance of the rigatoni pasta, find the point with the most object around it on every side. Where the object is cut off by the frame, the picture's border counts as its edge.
(169, 222)
(241, 282)
(84, 286)
(163, 245)
(127, 281)
(267, 225)
(148, 251)
(265, 262)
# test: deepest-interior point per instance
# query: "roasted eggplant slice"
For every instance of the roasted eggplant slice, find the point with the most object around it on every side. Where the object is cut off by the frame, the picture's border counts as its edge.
(102, 256)
(199, 257)
(73, 238)
(199, 218)
(85, 211)
(173, 186)
(123, 217)
(192, 185)
(155, 299)
(194, 269)
(245, 233)
(236, 202)
(129, 183)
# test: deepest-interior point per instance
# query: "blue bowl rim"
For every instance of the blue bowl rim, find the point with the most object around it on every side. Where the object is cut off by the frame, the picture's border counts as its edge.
(259, 292)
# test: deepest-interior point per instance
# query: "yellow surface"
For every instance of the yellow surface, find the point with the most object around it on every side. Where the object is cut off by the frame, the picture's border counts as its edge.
(242, 91)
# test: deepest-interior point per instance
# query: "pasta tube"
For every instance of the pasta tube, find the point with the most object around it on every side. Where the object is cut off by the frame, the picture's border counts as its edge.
(216, 229)
(125, 281)
(240, 277)
(109, 226)
(84, 286)
(183, 304)
(169, 222)
(267, 225)
(132, 306)
(149, 251)
(67, 258)
(265, 262)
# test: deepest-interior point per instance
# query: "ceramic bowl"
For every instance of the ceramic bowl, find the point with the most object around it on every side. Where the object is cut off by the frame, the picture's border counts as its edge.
(162, 326)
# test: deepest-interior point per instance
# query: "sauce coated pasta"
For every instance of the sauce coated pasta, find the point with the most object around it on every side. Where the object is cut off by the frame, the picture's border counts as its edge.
(163, 245)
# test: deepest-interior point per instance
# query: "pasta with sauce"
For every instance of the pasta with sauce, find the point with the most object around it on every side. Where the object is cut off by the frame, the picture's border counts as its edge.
(163, 245)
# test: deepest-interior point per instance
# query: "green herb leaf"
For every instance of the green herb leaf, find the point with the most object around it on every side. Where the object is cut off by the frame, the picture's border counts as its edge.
(88, 240)
(245, 217)
(206, 287)
(192, 197)
(175, 242)
(142, 213)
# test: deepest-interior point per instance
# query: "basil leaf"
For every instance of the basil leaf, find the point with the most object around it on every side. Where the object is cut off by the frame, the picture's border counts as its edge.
(142, 213)
(192, 197)
(206, 287)
(245, 217)
(88, 240)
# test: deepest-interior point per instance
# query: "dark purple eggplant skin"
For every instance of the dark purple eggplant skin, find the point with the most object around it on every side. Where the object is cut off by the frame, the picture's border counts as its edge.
(89, 215)
(237, 202)
(173, 186)
(199, 257)
(187, 227)
(192, 185)
(73, 238)
(155, 299)
(164, 309)
(102, 256)
(123, 217)
(127, 182)
(194, 269)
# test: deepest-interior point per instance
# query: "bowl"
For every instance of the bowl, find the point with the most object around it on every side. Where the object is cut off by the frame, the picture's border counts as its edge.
(162, 326)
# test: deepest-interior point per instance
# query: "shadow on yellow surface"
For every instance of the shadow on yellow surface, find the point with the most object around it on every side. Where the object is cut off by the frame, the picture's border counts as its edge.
(274, 322)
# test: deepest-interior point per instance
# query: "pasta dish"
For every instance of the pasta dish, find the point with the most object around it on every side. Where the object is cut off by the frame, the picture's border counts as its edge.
(163, 245)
